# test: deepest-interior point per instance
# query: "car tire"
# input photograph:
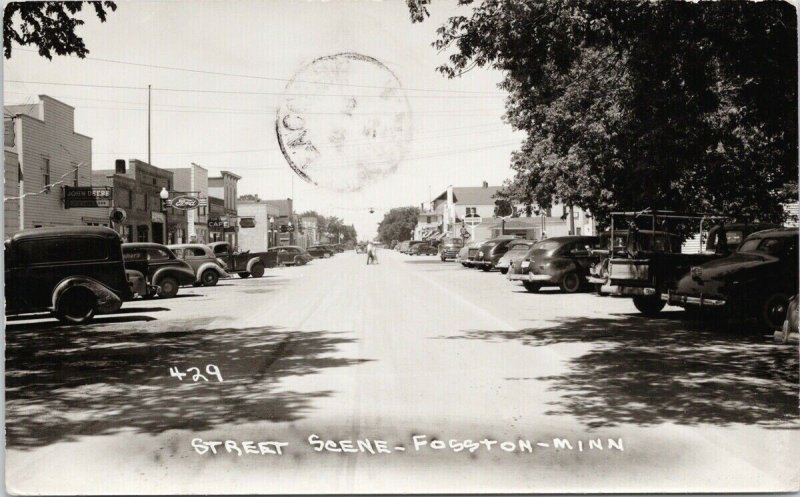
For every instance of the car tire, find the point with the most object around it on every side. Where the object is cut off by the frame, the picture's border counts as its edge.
(532, 286)
(76, 306)
(209, 277)
(649, 305)
(463, 264)
(486, 268)
(504, 270)
(299, 261)
(257, 271)
(570, 283)
(169, 287)
(772, 312)
(244, 274)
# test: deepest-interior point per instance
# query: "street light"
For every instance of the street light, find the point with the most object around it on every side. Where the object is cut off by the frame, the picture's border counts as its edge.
(164, 194)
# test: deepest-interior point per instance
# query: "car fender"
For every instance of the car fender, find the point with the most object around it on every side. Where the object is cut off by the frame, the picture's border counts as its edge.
(107, 300)
(252, 261)
(210, 265)
(183, 275)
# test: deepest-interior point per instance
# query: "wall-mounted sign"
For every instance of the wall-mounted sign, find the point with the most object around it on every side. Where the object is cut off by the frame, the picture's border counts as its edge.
(247, 222)
(87, 196)
(184, 203)
(215, 223)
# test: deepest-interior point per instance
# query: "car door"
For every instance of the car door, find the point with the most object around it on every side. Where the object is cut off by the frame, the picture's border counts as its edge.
(195, 257)
(156, 259)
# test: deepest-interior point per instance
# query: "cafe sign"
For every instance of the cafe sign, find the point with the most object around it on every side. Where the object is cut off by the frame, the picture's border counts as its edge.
(184, 203)
(87, 196)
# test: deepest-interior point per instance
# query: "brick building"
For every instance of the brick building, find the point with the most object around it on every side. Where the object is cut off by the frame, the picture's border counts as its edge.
(225, 187)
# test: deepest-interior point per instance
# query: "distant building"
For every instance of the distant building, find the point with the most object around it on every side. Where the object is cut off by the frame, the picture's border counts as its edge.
(217, 219)
(257, 225)
(193, 181)
(137, 190)
(310, 229)
(285, 218)
(41, 148)
(225, 186)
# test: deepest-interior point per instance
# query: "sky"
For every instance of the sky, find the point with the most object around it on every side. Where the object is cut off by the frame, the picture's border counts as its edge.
(219, 73)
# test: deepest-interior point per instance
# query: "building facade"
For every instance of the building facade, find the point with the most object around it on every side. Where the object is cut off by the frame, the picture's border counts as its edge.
(193, 181)
(137, 190)
(284, 219)
(40, 139)
(225, 186)
(257, 225)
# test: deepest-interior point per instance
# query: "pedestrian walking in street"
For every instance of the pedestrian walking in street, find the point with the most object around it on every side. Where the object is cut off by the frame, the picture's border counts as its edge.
(371, 257)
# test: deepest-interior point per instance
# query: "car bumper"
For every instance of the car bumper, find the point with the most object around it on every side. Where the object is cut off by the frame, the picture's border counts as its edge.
(529, 277)
(596, 280)
(684, 300)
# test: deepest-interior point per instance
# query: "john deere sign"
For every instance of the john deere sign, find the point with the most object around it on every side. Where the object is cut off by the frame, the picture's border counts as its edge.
(87, 196)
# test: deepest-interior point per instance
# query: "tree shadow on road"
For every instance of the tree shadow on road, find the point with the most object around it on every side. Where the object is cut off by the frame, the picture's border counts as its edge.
(649, 371)
(77, 382)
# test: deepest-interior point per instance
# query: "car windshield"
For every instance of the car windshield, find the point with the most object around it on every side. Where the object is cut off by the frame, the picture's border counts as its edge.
(772, 246)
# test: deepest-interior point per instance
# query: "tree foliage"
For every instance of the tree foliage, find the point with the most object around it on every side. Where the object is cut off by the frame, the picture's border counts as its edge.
(50, 26)
(333, 227)
(629, 105)
(398, 224)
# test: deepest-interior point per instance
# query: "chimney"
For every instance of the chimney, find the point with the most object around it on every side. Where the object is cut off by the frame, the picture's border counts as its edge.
(485, 184)
(120, 166)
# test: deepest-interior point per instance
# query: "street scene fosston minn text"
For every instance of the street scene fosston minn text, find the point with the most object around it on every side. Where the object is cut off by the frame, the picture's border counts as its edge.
(498, 246)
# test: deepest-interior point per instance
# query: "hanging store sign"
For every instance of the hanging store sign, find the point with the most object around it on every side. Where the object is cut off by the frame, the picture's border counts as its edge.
(184, 203)
(87, 196)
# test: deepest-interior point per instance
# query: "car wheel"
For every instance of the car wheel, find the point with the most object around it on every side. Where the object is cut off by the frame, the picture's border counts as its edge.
(76, 306)
(773, 311)
(649, 305)
(257, 271)
(463, 264)
(244, 274)
(531, 286)
(169, 287)
(570, 283)
(486, 267)
(298, 261)
(504, 270)
(209, 277)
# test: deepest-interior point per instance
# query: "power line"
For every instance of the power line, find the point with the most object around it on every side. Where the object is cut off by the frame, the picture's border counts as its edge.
(241, 92)
(266, 78)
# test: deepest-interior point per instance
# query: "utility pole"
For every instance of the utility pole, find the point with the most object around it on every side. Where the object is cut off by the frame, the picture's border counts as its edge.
(148, 125)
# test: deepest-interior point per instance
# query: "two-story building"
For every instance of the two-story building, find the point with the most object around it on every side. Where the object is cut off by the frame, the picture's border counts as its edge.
(44, 154)
(225, 187)
(257, 225)
(137, 190)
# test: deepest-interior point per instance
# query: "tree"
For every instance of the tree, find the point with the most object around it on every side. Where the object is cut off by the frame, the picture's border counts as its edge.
(50, 26)
(398, 224)
(628, 105)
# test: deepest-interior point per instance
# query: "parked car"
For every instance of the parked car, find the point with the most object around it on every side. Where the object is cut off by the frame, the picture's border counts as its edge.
(468, 251)
(755, 281)
(561, 261)
(321, 251)
(401, 247)
(491, 251)
(450, 247)
(245, 264)
(410, 245)
(290, 255)
(74, 273)
(337, 248)
(207, 268)
(516, 250)
(159, 265)
(734, 234)
(423, 249)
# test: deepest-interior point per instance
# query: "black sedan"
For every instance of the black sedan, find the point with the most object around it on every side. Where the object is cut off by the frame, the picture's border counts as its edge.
(320, 251)
(561, 261)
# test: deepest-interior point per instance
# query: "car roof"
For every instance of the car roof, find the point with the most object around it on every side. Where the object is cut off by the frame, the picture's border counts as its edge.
(568, 238)
(285, 246)
(188, 245)
(143, 245)
(34, 233)
(775, 233)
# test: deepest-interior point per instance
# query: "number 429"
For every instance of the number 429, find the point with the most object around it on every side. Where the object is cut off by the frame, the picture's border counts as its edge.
(211, 370)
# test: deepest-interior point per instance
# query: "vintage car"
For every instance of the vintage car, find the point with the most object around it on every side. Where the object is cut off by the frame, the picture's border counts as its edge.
(423, 249)
(245, 264)
(159, 265)
(449, 248)
(290, 255)
(516, 250)
(321, 251)
(72, 272)
(756, 281)
(562, 261)
(490, 252)
(734, 234)
(207, 268)
(410, 245)
(469, 250)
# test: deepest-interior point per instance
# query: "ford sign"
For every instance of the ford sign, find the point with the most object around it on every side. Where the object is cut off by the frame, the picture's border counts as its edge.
(185, 203)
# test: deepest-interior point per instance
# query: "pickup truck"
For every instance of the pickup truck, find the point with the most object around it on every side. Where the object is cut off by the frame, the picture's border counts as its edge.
(246, 263)
(650, 262)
